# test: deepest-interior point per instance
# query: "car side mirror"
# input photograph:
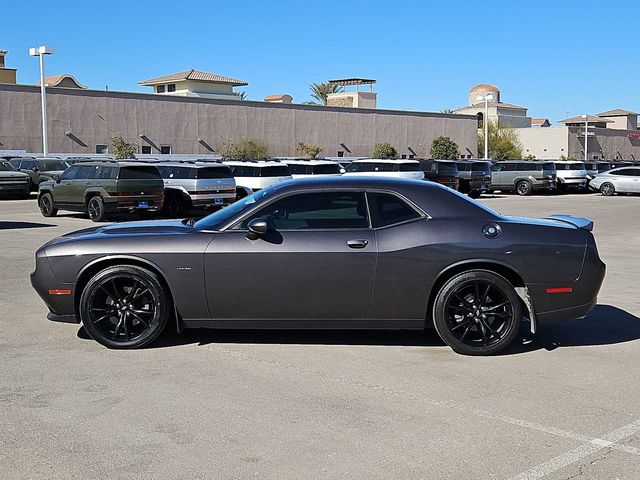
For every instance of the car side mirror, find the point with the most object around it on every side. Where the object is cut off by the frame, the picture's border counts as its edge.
(257, 228)
(342, 170)
(34, 169)
(56, 178)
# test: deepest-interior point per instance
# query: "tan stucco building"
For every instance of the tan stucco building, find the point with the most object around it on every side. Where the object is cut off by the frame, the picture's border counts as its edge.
(504, 114)
(611, 135)
(83, 120)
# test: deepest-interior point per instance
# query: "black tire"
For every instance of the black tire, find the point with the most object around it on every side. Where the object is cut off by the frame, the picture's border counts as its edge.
(174, 205)
(46, 205)
(607, 189)
(524, 188)
(477, 313)
(474, 194)
(95, 209)
(124, 306)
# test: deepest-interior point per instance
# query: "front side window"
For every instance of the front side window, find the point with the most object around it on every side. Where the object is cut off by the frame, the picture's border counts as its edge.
(70, 173)
(106, 173)
(297, 169)
(577, 166)
(315, 211)
(86, 172)
(387, 209)
(28, 164)
(326, 169)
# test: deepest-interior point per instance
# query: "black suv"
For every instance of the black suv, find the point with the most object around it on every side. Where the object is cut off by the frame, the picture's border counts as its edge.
(475, 177)
(103, 187)
(444, 172)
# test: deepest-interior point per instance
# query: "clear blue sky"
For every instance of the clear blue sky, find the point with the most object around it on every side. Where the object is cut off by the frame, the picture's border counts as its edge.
(551, 56)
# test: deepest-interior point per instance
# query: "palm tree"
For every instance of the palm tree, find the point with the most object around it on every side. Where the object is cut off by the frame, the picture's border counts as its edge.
(319, 91)
(446, 110)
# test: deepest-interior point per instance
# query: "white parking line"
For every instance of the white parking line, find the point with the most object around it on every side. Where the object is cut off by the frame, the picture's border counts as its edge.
(583, 451)
(592, 444)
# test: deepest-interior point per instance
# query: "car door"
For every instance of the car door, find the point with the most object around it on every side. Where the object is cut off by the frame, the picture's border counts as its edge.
(635, 179)
(62, 188)
(623, 180)
(316, 262)
(497, 174)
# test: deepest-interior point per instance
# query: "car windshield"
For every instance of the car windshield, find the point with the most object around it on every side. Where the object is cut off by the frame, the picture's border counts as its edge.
(326, 169)
(222, 216)
(6, 167)
(214, 172)
(52, 165)
(448, 168)
(139, 173)
(481, 167)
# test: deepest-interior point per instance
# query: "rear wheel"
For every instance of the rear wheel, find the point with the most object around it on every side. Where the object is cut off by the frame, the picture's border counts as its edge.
(46, 205)
(124, 306)
(95, 209)
(477, 313)
(524, 187)
(607, 189)
(175, 206)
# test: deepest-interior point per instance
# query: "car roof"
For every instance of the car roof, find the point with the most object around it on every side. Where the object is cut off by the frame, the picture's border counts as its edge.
(113, 163)
(308, 161)
(568, 161)
(190, 164)
(526, 161)
(255, 163)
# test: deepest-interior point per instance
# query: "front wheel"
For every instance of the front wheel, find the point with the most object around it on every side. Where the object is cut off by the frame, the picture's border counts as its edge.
(95, 209)
(46, 205)
(477, 313)
(607, 189)
(124, 306)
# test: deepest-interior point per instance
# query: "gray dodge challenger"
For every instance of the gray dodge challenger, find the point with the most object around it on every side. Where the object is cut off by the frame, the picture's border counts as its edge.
(328, 253)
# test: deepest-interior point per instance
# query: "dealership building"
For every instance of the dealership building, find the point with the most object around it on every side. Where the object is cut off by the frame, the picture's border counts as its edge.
(194, 112)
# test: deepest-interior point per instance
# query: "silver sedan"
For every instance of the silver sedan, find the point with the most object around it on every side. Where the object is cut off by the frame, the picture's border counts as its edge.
(617, 180)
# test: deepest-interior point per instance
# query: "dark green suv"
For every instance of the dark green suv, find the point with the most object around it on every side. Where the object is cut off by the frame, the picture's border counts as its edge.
(39, 169)
(100, 188)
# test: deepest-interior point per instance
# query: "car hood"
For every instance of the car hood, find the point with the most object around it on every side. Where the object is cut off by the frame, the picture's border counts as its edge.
(10, 174)
(126, 229)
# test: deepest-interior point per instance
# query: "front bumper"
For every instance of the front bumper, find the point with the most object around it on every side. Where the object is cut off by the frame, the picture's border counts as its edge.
(57, 296)
(13, 188)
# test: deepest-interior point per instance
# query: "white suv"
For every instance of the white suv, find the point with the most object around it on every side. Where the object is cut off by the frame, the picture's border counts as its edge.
(253, 175)
(303, 167)
(398, 168)
(571, 174)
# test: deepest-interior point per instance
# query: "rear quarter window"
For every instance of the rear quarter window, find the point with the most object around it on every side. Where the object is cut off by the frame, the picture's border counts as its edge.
(213, 172)
(276, 171)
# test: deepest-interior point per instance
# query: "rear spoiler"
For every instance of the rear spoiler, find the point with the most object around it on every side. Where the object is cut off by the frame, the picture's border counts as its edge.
(578, 222)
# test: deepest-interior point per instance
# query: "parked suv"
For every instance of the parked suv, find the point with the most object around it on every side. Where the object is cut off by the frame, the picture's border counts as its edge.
(475, 177)
(196, 184)
(444, 172)
(571, 174)
(254, 175)
(523, 176)
(13, 182)
(312, 167)
(100, 188)
(39, 169)
(376, 167)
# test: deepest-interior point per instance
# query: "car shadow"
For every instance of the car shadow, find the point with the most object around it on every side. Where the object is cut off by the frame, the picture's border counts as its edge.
(19, 225)
(606, 325)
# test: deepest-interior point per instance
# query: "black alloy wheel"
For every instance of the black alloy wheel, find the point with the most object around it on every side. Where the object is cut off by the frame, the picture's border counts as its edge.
(477, 313)
(607, 189)
(95, 209)
(46, 205)
(124, 307)
(524, 187)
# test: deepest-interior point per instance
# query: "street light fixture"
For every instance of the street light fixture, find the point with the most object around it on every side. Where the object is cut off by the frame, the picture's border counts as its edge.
(41, 52)
(486, 99)
(586, 135)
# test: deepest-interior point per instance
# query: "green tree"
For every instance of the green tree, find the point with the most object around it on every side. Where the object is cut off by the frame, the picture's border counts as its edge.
(384, 150)
(245, 148)
(530, 157)
(446, 110)
(503, 143)
(444, 148)
(309, 149)
(320, 91)
(121, 148)
(566, 157)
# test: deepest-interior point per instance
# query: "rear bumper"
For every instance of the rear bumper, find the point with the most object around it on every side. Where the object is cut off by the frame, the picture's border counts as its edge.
(559, 307)
(544, 185)
(130, 204)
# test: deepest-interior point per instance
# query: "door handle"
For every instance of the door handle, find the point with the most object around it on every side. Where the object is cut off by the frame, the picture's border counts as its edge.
(357, 243)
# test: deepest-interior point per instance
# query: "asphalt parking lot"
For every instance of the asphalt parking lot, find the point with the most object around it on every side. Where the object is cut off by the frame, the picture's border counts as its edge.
(273, 405)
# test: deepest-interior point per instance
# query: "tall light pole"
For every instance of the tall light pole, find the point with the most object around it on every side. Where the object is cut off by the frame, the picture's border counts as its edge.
(586, 135)
(41, 52)
(485, 122)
